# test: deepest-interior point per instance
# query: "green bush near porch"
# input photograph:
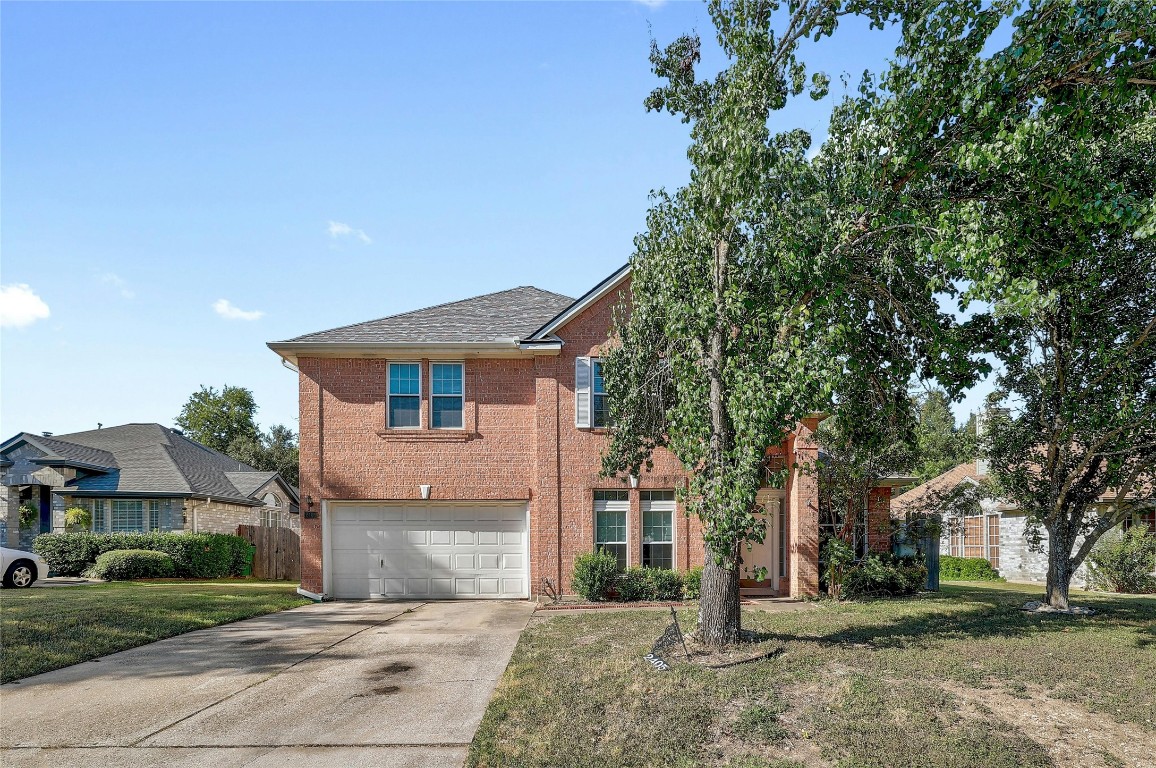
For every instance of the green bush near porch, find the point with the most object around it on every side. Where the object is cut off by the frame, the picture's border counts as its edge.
(194, 555)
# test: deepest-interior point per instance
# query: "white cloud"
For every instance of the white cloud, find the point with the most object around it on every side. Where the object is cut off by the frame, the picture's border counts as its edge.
(117, 282)
(651, 3)
(225, 309)
(338, 230)
(20, 306)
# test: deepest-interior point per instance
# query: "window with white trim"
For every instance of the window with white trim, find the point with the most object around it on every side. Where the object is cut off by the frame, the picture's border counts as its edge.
(591, 406)
(658, 529)
(154, 515)
(404, 406)
(127, 516)
(99, 518)
(611, 509)
(447, 395)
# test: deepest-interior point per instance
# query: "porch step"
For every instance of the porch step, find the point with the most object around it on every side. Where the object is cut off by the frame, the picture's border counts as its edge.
(757, 592)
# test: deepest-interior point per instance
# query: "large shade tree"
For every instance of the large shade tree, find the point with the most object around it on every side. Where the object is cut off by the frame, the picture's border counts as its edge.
(1034, 168)
(768, 288)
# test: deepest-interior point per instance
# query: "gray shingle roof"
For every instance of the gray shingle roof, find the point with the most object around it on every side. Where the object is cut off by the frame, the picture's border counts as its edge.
(512, 314)
(155, 460)
(75, 452)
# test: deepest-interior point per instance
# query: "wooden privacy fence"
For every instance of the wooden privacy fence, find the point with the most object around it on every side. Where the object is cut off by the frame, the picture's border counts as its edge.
(278, 554)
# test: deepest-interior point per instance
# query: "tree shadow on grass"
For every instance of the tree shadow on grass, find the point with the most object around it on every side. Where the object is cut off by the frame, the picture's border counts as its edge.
(977, 613)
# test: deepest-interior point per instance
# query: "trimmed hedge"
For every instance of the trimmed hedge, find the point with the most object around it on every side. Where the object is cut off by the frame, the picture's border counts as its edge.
(127, 564)
(966, 569)
(194, 555)
(597, 578)
(638, 583)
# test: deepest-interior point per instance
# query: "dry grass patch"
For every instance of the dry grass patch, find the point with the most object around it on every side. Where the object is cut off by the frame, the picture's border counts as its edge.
(867, 684)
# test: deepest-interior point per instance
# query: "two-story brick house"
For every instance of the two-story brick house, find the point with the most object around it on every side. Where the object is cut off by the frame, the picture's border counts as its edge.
(455, 451)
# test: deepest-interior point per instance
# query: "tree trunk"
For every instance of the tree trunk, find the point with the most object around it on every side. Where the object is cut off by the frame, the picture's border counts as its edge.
(1060, 568)
(719, 615)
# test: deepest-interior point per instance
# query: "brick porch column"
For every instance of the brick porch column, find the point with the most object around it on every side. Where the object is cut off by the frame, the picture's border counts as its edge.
(804, 516)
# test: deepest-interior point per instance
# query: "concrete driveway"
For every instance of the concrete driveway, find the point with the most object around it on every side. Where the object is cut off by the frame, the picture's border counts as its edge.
(343, 684)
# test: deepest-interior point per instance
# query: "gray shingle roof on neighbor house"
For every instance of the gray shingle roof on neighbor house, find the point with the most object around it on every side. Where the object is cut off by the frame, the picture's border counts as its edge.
(512, 314)
(150, 459)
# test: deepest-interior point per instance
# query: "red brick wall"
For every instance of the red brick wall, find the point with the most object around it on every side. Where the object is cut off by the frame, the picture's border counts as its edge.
(519, 443)
(580, 452)
(347, 452)
(879, 520)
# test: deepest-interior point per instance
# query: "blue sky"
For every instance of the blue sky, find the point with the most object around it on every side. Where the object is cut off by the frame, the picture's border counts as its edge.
(183, 182)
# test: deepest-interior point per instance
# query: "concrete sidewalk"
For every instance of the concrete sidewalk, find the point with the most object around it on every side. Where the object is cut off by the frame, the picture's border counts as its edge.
(343, 684)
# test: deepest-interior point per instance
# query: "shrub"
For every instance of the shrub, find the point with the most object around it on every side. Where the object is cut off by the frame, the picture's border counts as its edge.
(966, 569)
(194, 555)
(665, 584)
(633, 585)
(884, 576)
(125, 564)
(639, 583)
(692, 583)
(594, 575)
(28, 515)
(1124, 564)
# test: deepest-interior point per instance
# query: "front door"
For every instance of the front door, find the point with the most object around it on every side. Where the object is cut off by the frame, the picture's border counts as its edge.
(772, 552)
(46, 509)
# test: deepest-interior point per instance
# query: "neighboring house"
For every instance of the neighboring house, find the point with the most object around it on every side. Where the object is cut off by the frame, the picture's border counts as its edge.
(994, 529)
(455, 451)
(135, 478)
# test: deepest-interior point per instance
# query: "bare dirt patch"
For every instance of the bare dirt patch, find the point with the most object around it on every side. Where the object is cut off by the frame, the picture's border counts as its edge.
(1071, 734)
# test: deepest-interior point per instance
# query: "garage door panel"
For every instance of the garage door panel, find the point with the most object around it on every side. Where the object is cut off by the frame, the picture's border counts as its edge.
(409, 550)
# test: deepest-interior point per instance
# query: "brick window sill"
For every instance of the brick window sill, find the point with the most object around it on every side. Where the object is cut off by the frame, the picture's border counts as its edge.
(432, 435)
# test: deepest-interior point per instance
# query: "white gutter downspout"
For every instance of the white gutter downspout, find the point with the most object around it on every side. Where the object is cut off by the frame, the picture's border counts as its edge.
(208, 500)
(311, 595)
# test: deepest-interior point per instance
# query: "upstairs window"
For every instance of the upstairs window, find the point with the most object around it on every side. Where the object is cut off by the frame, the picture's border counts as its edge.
(447, 395)
(404, 396)
(590, 401)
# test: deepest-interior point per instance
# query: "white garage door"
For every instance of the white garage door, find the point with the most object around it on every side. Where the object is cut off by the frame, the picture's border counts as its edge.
(428, 550)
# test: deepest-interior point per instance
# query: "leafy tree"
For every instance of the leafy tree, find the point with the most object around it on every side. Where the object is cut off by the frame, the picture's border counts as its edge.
(941, 444)
(225, 422)
(275, 450)
(762, 291)
(1031, 173)
(218, 419)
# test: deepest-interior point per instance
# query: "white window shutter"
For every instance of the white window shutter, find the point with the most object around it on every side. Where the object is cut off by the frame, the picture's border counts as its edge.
(582, 392)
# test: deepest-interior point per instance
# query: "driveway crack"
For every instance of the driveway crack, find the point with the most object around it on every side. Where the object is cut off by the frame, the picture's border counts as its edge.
(266, 679)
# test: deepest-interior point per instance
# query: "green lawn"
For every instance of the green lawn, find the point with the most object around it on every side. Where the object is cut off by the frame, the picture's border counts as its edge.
(949, 680)
(45, 629)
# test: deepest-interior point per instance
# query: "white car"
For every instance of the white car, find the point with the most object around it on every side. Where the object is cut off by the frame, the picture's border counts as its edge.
(21, 568)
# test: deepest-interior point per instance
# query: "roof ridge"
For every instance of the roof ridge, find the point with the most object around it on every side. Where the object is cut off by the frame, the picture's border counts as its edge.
(432, 307)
